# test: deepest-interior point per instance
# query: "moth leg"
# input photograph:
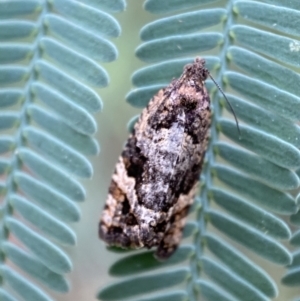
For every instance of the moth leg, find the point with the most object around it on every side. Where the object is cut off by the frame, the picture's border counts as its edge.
(173, 234)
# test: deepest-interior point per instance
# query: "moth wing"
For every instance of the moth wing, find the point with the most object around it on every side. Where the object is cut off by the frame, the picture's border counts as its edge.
(173, 234)
(118, 226)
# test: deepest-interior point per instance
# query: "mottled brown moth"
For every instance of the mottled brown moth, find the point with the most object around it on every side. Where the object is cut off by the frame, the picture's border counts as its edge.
(156, 177)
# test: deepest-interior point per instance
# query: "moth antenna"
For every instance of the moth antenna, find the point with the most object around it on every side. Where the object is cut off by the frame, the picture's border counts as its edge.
(231, 108)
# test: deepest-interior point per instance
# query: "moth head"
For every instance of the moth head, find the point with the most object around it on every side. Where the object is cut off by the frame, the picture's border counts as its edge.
(197, 70)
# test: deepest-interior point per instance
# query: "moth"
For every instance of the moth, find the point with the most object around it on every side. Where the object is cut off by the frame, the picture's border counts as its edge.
(157, 174)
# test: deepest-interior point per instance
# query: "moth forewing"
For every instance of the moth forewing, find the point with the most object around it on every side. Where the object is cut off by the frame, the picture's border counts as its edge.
(155, 179)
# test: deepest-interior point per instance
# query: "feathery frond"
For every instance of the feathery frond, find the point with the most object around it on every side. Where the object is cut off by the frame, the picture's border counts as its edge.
(49, 70)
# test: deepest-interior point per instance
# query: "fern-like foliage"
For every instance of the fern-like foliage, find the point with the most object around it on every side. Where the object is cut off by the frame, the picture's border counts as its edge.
(248, 180)
(49, 70)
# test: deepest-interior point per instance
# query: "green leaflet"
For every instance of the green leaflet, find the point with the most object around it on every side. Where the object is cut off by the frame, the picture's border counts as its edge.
(251, 214)
(55, 259)
(9, 75)
(266, 70)
(253, 239)
(60, 153)
(82, 142)
(272, 199)
(212, 292)
(72, 88)
(64, 107)
(92, 45)
(52, 175)
(140, 97)
(35, 268)
(241, 265)
(79, 65)
(22, 286)
(267, 43)
(111, 6)
(5, 296)
(48, 198)
(10, 97)
(142, 285)
(8, 120)
(258, 167)
(88, 17)
(231, 282)
(11, 30)
(163, 73)
(10, 9)
(45, 222)
(267, 146)
(11, 53)
(182, 24)
(49, 56)
(174, 46)
(6, 144)
(269, 97)
(171, 5)
(266, 121)
(176, 296)
(281, 19)
(142, 262)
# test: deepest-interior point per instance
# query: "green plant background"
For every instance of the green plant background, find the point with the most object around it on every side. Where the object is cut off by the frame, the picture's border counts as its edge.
(91, 260)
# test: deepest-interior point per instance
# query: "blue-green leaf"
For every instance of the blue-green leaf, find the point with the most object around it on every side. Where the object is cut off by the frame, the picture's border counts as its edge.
(11, 30)
(91, 44)
(5, 296)
(168, 6)
(10, 97)
(231, 282)
(273, 45)
(265, 70)
(241, 265)
(140, 97)
(55, 259)
(81, 66)
(146, 261)
(267, 96)
(144, 284)
(163, 73)
(9, 120)
(11, 53)
(251, 238)
(35, 268)
(274, 17)
(54, 176)
(251, 214)
(88, 17)
(57, 127)
(42, 220)
(81, 94)
(13, 75)
(270, 198)
(170, 47)
(22, 286)
(267, 146)
(266, 121)
(295, 240)
(182, 24)
(59, 152)
(212, 293)
(48, 198)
